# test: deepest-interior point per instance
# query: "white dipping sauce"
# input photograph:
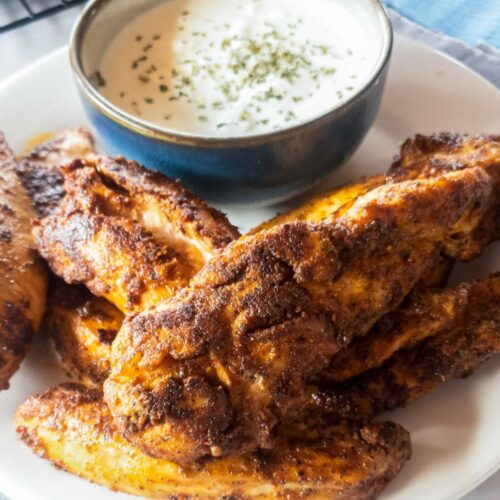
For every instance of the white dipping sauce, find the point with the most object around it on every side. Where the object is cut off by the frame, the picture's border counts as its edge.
(230, 68)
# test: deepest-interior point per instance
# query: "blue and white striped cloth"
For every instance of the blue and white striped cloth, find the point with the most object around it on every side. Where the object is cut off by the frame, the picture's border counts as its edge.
(468, 30)
(476, 22)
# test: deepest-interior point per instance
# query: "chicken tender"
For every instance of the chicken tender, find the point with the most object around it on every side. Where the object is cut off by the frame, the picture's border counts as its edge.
(426, 313)
(130, 235)
(23, 278)
(70, 426)
(454, 351)
(176, 234)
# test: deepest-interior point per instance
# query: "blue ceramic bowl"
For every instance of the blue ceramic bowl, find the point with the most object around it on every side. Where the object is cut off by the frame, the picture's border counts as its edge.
(260, 169)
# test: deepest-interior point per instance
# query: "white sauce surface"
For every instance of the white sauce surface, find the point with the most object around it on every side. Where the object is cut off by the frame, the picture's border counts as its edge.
(228, 68)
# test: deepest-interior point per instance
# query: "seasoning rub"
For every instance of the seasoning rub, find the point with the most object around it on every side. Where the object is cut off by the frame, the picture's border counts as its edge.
(238, 67)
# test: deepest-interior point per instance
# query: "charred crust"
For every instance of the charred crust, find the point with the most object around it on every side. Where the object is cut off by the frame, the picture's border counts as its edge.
(70, 297)
(72, 394)
(106, 335)
(177, 400)
(44, 185)
(5, 235)
(451, 152)
(40, 172)
(16, 330)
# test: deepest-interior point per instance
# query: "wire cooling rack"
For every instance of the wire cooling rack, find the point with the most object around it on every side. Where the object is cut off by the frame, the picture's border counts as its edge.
(17, 13)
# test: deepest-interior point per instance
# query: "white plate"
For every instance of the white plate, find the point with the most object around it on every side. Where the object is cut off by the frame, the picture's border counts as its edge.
(455, 432)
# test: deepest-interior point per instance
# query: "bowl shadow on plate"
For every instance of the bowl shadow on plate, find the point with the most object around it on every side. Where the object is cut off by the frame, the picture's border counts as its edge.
(450, 415)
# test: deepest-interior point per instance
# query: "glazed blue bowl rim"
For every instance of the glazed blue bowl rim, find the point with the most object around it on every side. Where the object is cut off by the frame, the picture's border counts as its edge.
(169, 135)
